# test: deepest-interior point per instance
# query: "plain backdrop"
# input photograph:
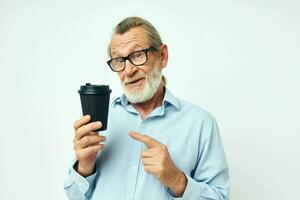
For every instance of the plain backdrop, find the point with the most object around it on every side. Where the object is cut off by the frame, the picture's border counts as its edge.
(240, 60)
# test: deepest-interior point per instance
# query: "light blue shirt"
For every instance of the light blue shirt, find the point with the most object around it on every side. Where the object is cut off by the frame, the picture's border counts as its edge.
(193, 141)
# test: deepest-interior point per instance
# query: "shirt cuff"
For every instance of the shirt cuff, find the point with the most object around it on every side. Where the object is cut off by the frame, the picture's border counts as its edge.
(84, 184)
(192, 191)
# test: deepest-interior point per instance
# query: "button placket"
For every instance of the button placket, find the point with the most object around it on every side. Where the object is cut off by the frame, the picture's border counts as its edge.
(136, 167)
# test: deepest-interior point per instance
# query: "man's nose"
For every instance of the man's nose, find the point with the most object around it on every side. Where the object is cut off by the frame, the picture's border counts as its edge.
(129, 68)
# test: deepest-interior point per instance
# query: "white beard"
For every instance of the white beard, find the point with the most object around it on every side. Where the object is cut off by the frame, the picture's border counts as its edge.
(152, 82)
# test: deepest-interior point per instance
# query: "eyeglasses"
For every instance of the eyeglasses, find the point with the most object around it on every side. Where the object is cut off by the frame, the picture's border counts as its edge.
(136, 58)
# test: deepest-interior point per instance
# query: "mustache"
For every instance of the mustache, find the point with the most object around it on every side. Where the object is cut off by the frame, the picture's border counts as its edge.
(132, 79)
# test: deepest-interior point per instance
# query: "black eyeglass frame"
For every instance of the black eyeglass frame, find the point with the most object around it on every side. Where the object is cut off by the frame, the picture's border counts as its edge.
(127, 58)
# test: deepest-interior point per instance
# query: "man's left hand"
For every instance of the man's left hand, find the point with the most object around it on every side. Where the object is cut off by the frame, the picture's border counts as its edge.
(157, 161)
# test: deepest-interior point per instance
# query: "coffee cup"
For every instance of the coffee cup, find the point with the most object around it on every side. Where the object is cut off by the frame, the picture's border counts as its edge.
(95, 102)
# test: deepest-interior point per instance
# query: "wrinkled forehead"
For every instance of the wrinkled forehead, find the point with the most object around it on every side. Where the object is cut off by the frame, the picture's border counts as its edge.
(132, 40)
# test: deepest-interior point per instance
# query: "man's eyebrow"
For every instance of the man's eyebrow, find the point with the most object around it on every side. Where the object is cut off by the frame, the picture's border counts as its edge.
(133, 49)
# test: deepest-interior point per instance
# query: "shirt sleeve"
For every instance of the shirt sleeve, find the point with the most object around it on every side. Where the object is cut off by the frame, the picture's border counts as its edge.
(209, 180)
(78, 187)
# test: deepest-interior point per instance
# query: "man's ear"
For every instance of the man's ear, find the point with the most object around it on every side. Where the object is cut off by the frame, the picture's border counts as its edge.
(164, 56)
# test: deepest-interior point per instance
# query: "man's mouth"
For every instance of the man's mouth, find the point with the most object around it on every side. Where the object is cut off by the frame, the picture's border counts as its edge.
(134, 81)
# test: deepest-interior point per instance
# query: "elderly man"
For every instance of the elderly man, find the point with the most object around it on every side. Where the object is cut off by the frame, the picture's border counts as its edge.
(156, 146)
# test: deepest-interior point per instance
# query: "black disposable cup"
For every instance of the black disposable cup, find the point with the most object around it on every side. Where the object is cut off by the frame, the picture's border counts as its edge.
(95, 102)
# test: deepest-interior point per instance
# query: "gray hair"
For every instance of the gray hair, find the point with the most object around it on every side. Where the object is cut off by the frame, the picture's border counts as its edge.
(152, 34)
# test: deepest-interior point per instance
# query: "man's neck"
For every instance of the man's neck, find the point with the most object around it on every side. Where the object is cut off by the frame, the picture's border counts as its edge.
(145, 108)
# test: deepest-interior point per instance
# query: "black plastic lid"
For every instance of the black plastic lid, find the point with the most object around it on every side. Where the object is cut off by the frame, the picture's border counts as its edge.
(94, 89)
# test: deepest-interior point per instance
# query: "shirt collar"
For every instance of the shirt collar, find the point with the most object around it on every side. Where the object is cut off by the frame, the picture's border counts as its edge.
(169, 98)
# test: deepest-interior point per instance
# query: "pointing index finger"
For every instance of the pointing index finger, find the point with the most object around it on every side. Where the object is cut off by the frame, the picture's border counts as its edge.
(147, 140)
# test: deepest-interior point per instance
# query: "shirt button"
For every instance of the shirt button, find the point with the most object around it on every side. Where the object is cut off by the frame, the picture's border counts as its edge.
(133, 168)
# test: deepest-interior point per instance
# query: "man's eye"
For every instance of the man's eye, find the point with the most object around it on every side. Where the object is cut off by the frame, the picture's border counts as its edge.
(118, 60)
(137, 54)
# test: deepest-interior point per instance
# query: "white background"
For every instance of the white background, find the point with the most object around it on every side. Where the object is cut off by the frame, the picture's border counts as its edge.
(239, 60)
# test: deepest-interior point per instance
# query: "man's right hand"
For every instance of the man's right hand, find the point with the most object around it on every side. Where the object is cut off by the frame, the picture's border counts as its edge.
(86, 144)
